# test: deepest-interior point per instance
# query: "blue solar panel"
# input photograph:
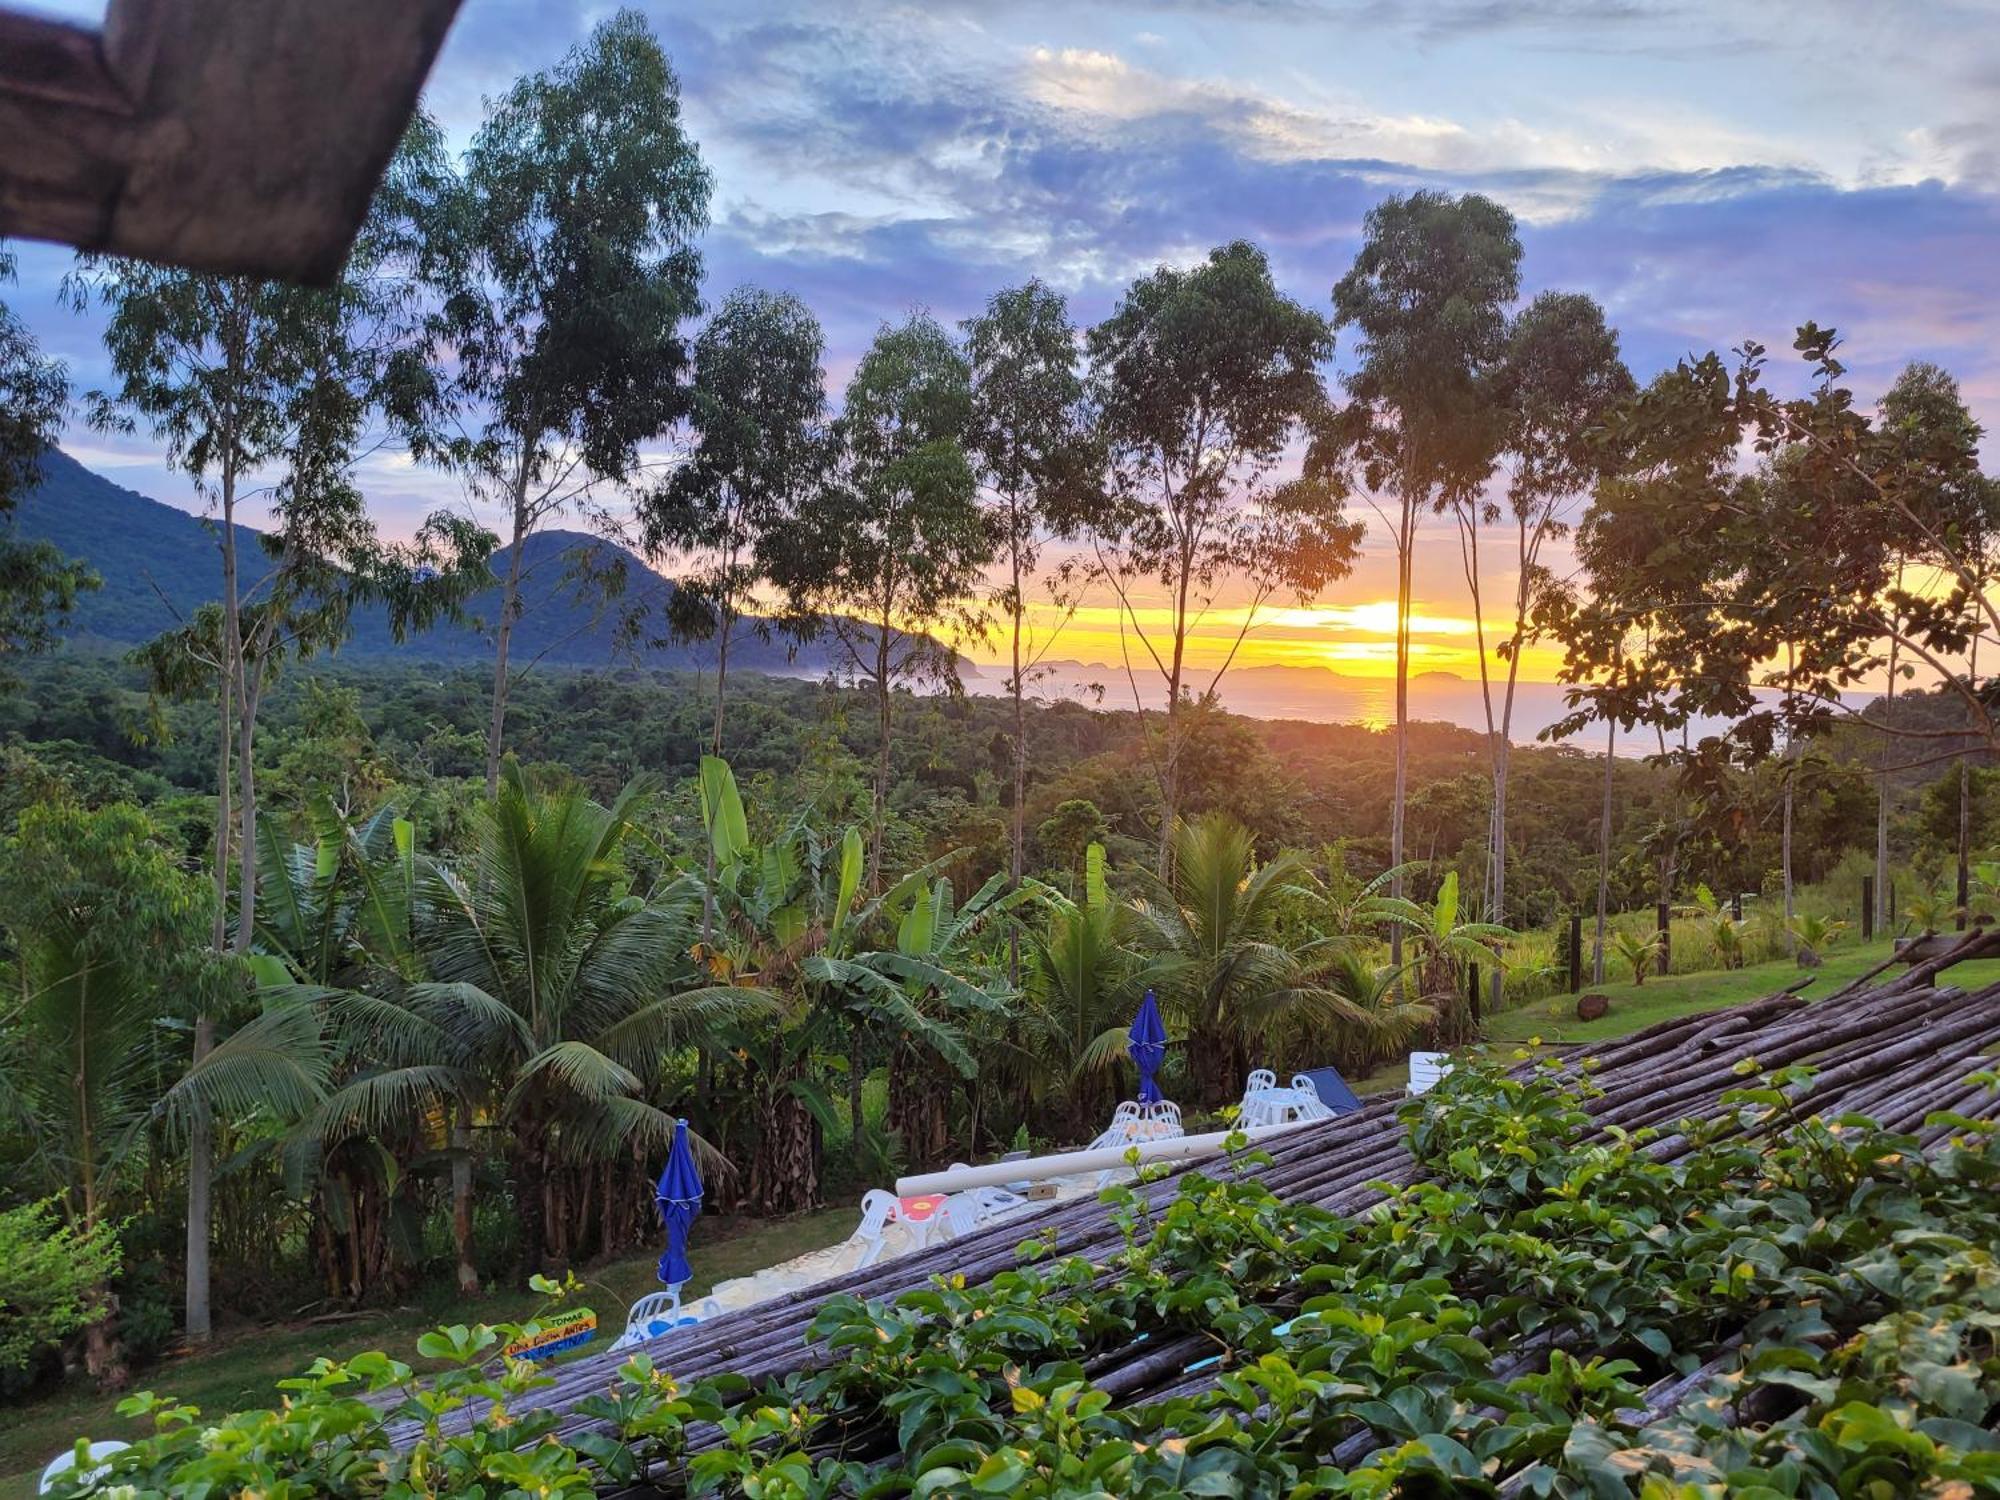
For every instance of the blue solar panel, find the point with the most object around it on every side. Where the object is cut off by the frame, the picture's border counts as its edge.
(1333, 1091)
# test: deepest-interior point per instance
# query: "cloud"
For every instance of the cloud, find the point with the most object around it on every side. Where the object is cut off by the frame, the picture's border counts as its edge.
(885, 156)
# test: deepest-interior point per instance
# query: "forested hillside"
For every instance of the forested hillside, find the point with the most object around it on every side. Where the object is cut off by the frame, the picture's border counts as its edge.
(586, 601)
(363, 730)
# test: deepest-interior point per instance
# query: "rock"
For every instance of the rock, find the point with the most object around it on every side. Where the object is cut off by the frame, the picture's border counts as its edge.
(1590, 1007)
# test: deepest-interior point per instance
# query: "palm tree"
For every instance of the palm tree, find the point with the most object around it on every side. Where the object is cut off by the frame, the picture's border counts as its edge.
(1636, 950)
(1930, 908)
(1212, 927)
(544, 990)
(1354, 908)
(1377, 992)
(1814, 934)
(1725, 933)
(1442, 947)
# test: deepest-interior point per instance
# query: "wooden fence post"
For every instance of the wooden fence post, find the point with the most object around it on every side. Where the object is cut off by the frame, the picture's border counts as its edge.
(1575, 952)
(1867, 908)
(1666, 937)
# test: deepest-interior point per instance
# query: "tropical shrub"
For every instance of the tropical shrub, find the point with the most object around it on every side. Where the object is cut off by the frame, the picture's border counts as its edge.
(1220, 960)
(1813, 933)
(1637, 951)
(52, 1281)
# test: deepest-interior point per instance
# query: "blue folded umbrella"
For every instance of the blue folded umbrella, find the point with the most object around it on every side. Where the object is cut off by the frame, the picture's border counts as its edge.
(679, 1197)
(1148, 1047)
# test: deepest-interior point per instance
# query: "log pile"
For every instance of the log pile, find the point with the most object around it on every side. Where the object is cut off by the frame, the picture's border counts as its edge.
(1898, 1051)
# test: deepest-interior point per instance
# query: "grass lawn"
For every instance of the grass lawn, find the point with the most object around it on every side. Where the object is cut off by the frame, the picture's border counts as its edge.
(1634, 1007)
(239, 1370)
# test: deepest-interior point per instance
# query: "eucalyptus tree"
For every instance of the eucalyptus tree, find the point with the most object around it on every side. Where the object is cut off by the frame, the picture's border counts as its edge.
(262, 389)
(1033, 443)
(1561, 382)
(1201, 379)
(562, 259)
(108, 936)
(38, 586)
(759, 450)
(1428, 293)
(891, 550)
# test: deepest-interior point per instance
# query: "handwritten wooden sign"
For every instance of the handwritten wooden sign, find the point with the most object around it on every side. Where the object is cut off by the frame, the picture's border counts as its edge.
(555, 1333)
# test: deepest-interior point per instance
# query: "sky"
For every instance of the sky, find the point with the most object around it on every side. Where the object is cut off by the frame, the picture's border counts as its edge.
(1710, 172)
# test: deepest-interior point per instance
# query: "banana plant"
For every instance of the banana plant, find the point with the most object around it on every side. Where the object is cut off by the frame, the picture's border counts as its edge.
(1084, 982)
(840, 967)
(1636, 951)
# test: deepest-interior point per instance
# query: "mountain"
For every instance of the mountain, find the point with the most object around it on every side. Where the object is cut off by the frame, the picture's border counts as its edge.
(159, 564)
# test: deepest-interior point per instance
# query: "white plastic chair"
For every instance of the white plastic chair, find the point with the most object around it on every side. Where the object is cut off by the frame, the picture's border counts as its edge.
(1260, 1105)
(1163, 1121)
(652, 1315)
(1427, 1069)
(1310, 1106)
(962, 1214)
(1124, 1121)
(64, 1461)
(878, 1207)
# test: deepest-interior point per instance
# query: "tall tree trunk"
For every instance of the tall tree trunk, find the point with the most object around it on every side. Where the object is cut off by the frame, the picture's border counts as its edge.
(1964, 841)
(1016, 857)
(1405, 542)
(721, 676)
(1882, 796)
(1503, 749)
(461, 1198)
(201, 1142)
(1785, 854)
(1170, 750)
(1603, 855)
(883, 729)
(1965, 811)
(510, 600)
(248, 696)
(1791, 776)
(201, 1134)
(1468, 538)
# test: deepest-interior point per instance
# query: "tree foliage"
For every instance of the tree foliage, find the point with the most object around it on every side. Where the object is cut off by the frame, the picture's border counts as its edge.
(1201, 378)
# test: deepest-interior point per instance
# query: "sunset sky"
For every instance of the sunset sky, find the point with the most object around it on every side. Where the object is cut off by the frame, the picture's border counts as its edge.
(1709, 172)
